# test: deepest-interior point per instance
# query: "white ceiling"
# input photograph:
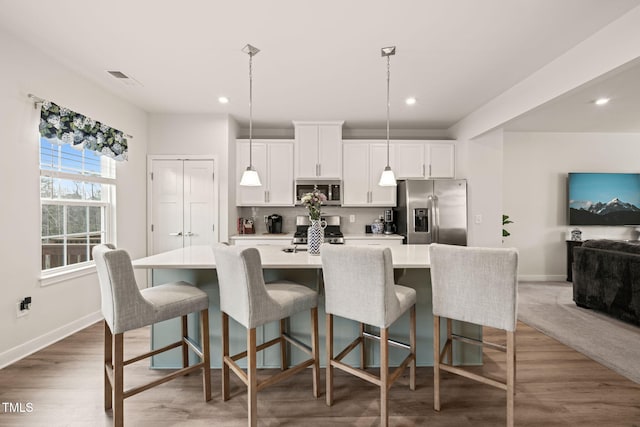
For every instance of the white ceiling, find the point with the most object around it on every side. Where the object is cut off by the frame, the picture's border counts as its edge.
(321, 60)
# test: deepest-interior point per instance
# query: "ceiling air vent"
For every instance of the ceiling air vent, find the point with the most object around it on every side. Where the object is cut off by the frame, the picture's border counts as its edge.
(122, 77)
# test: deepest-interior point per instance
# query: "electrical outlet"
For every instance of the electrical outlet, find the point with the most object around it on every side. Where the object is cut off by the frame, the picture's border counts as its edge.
(352, 218)
(478, 219)
(19, 312)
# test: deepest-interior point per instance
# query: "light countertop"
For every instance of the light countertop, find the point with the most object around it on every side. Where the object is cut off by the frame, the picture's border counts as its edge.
(201, 257)
(289, 236)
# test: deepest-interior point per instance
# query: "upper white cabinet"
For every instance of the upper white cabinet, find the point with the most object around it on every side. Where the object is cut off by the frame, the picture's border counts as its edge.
(424, 159)
(273, 160)
(318, 151)
(364, 162)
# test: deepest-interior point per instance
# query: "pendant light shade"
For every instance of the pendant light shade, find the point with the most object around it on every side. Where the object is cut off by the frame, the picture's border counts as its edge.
(250, 176)
(388, 178)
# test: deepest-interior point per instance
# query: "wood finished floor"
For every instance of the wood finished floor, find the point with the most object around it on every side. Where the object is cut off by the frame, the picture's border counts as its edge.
(555, 386)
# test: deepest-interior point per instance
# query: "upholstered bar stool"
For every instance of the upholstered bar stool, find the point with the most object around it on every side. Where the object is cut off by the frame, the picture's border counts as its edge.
(247, 299)
(125, 307)
(480, 286)
(359, 285)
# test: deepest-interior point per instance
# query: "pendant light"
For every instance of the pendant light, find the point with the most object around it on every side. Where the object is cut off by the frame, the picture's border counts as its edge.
(250, 176)
(388, 178)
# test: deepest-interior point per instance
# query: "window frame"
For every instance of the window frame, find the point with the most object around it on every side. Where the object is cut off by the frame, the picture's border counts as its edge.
(107, 204)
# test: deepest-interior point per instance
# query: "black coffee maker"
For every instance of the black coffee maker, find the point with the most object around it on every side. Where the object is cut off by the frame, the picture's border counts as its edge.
(389, 226)
(274, 224)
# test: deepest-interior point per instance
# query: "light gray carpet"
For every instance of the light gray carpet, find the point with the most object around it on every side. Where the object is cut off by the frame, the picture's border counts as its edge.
(549, 308)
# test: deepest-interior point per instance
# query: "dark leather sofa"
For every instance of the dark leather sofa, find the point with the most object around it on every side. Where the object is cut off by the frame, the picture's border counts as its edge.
(606, 277)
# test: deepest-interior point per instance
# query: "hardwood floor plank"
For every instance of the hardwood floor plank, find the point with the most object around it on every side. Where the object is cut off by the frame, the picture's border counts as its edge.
(555, 386)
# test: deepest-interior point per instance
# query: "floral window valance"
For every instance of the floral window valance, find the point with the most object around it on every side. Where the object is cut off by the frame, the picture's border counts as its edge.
(63, 126)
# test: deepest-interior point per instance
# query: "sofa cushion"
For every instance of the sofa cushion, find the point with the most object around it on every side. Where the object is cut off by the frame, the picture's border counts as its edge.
(632, 247)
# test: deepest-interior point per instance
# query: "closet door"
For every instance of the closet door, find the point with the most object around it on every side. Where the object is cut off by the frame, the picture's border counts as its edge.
(182, 204)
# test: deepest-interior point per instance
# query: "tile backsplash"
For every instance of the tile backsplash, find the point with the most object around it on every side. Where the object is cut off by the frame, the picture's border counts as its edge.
(363, 216)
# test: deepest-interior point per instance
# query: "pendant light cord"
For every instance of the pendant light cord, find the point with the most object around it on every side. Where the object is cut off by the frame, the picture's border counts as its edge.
(250, 110)
(388, 79)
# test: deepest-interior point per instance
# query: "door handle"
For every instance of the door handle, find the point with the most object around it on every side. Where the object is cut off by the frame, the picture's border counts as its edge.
(179, 233)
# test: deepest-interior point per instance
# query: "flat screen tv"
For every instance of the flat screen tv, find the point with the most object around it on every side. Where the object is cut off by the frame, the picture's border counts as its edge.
(604, 198)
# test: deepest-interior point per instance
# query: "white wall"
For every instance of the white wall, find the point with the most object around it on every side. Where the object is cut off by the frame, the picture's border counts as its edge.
(200, 134)
(535, 172)
(61, 308)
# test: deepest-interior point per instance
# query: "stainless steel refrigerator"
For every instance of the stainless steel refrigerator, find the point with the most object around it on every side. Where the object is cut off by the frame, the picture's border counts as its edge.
(432, 211)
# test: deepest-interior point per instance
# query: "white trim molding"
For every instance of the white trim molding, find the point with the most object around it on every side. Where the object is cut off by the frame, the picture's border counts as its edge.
(23, 350)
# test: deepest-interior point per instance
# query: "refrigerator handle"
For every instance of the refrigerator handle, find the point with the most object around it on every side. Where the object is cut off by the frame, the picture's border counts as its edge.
(431, 212)
(435, 222)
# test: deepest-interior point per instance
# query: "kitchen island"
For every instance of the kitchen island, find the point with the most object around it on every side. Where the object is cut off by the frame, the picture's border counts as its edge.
(196, 265)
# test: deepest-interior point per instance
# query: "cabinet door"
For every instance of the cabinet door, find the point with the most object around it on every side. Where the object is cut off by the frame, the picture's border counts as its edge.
(355, 174)
(380, 196)
(198, 202)
(409, 160)
(280, 186)
(306, 151)
(441, 160)
(251, 196)
(330, 151)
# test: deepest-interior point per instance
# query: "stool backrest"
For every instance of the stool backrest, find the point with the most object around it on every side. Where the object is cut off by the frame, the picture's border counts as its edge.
(122, 303)
(358, 283)
(476, 285)
(243, 295)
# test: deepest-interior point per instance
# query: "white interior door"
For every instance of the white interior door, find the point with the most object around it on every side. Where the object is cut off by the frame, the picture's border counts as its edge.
(198, 202)
(167, 216)
(182, 203)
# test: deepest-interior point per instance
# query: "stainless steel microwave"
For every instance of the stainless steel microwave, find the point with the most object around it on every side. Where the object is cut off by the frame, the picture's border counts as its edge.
(330, 188)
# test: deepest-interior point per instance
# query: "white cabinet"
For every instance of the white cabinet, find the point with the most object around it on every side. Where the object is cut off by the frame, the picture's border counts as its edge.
(273, 160)
(424, 159)
(364, 162)
(318, 152)
(352, 241)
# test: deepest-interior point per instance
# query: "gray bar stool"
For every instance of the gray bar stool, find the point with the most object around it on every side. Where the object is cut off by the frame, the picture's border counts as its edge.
(359, 285)
(125, 307)
(247, 299)
(480, 286)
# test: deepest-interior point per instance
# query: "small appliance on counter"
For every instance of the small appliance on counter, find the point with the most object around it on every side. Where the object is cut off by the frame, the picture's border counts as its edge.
(245, 226)
(273, 223)
(389, 226)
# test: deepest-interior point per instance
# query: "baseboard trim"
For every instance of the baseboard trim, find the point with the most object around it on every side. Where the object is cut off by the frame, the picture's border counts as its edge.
(23, 350)
(542, 278)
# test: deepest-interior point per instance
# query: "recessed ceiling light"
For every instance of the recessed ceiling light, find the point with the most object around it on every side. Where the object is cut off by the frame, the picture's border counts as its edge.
(410, 101)
(601, 101)
(223, 100)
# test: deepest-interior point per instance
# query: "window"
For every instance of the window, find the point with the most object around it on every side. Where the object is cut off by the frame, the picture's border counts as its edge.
(77, 195)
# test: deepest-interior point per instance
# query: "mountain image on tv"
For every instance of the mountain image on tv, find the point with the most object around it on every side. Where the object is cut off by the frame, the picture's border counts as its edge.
(604, 199)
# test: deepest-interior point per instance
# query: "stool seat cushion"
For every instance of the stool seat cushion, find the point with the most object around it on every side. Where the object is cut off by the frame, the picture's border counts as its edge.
(406, 298)
(289, 298)
(174, 300)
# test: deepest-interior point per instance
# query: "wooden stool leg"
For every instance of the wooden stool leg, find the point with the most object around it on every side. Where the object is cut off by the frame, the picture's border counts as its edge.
(511, 376)
(315, 352)
(284, 363)
(384, 376)
(252, 380)
(436, 363)
(185, 348)
(206, 357)
(108, 362)
(225, 354)
(412, 343)
(363, 349)
(118, 381)
(329, 368)
(450, 341)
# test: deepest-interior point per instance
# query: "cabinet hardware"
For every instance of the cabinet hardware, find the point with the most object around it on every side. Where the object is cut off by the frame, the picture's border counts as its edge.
(429, 170)
(423, 169)
(189, 234)
(319, 169)
(179, 233)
